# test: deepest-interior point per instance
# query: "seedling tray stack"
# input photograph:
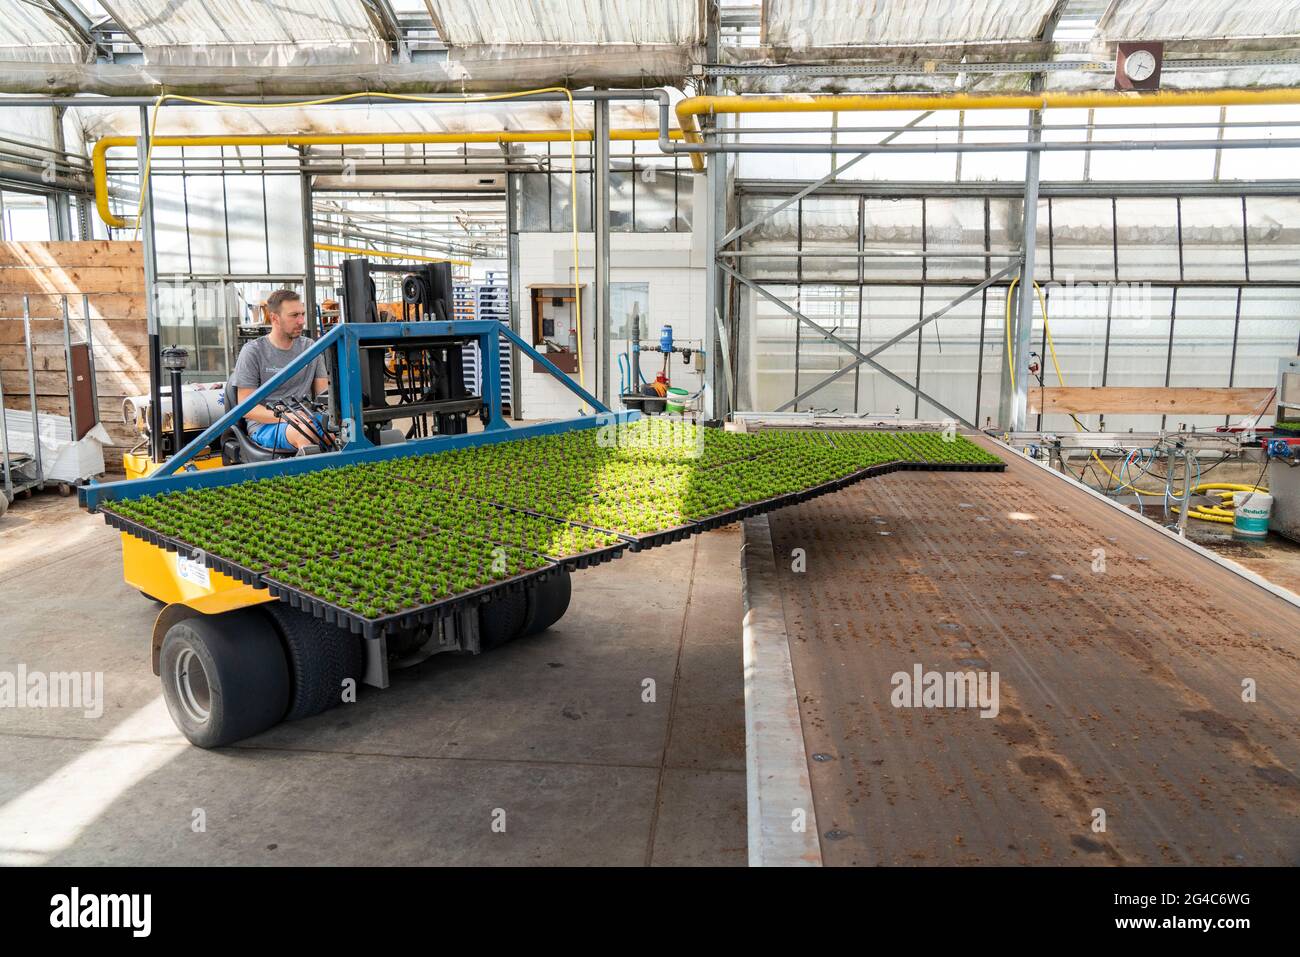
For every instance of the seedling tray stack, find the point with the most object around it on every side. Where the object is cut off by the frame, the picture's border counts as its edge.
(399, 543)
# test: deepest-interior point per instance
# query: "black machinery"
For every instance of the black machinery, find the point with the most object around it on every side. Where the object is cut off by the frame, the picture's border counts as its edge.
(426, 375)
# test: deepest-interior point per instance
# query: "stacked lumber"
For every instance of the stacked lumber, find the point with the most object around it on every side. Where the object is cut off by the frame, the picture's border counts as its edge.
(111, 277)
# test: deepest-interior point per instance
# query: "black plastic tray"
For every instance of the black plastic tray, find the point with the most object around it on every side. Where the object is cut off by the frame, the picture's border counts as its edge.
(370, 628)
(666, 536)
(226, 567)
(428, 614)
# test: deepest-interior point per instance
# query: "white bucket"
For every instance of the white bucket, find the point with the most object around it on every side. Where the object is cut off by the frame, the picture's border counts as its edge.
(1250, 513)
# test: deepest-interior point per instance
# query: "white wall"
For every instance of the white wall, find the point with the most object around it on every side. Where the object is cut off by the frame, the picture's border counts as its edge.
(670, 263)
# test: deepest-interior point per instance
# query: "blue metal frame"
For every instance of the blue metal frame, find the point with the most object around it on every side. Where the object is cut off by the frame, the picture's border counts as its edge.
(347, 339)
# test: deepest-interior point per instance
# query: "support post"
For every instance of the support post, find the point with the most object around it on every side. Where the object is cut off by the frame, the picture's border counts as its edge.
(716, 399)
(150, 292)
(513, 281)
(1014, 401)
(308, 254)
(600, 199)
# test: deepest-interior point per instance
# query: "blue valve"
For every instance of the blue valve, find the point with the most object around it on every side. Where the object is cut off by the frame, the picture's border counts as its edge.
(666, 339)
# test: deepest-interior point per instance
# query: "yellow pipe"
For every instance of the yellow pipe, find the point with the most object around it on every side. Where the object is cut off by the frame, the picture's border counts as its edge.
(691, 107)
(327, 247)
(99, 158)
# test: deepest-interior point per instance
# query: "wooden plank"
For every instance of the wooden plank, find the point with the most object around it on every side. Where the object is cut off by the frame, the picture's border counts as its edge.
(48, 333)
(123, 306)
(71, 280)
(110, 383)
(110, 410)
(62, 255)
(1115, 400)
(109, 357)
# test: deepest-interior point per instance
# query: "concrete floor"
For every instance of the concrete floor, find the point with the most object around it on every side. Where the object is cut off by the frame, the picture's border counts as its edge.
(551, 730)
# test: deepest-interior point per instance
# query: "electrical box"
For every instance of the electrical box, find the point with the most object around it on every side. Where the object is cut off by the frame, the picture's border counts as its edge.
(1288, 390)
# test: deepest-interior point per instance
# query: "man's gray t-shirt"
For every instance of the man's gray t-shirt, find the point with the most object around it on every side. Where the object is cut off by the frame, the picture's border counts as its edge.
(260, 359)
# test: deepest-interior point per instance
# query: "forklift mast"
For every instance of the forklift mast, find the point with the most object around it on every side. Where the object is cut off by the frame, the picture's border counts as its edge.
(425, 376)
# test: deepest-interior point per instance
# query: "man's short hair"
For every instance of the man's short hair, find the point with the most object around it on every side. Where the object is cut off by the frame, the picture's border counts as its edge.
(277, 299)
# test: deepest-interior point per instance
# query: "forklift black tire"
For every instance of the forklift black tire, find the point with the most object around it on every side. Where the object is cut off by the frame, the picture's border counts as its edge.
(502, 619)
(548, 602)
(224, 677)
(321, 657)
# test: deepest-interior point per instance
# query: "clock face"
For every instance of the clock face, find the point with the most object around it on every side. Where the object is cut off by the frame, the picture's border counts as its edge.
(1139, 65)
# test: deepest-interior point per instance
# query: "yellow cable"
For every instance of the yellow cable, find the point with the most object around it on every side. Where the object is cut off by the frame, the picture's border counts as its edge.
(1200, 511)
(410, 98)
(1051, 345)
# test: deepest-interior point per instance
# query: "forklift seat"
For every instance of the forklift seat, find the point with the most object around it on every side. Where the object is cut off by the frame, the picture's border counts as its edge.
(238, 446)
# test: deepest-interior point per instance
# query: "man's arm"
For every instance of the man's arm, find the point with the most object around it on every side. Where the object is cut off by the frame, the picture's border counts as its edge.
(319, 385)
(259, 412)
(245, 381)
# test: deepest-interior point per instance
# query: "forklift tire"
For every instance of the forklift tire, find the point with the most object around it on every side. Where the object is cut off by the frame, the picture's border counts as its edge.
(65, 489)
(502, 619)
(548, 601)
(224, 677)
(321, 657)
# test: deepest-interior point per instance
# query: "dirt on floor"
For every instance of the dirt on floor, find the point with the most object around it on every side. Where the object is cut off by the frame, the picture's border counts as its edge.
(1145, 708)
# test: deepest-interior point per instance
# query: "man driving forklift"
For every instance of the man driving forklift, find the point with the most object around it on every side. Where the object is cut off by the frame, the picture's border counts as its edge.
(263, 358)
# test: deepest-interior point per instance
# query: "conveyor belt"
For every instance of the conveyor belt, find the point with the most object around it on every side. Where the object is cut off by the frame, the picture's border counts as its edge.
(1120, 689)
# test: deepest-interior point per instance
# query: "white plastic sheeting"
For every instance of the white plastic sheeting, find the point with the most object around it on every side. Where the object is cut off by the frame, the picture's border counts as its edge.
(235, 33)
(31, 35)
(813, 24)
(1200, 20)
(580, 22)
(397, 117)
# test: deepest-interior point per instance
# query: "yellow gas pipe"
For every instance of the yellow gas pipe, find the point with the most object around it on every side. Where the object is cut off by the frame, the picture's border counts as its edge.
(692, 107)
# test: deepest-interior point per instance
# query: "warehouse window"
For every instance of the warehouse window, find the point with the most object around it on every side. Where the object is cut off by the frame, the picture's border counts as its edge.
(647, 195)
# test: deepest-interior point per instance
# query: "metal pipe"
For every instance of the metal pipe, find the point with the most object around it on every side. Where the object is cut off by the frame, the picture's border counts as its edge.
(863, 254)
(178, 410)
(372, 99)
(67, 362)
(99, 157)
(31, 389)
(151, 291)
(1054, 146)
(369, 253)
(90, 354)
(1009, 127)
(1025, 308)
(4, 446)
(308, 254)
(600, 274)
(692, 107)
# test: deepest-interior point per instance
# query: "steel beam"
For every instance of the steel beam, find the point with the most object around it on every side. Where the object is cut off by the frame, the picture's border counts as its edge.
(947, 307)
(146, 226)
(515, 285)
(309, 256)
(815, 185)
(862, 357)
(1013, 396)
(600, 281)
